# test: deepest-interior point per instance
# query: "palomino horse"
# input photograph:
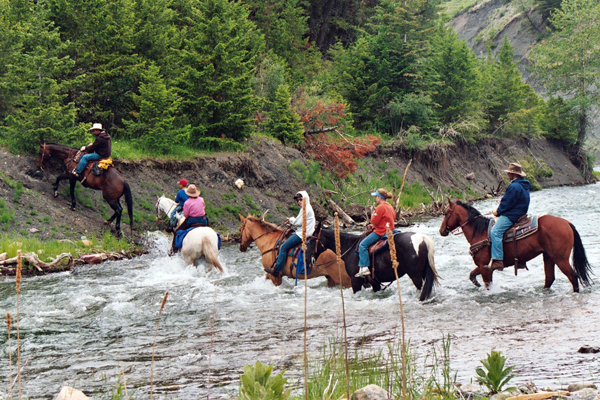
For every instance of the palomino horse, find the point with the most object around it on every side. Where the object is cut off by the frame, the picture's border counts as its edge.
(200, 241)
(265, 235)
(414, 252)
(111, 183)
(555, 238)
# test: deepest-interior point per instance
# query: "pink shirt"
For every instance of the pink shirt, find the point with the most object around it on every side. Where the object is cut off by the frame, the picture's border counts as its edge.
(194, 207)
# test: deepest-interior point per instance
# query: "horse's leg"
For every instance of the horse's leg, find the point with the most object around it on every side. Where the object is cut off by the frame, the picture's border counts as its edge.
(72, 182)
(564, 265)
(58, 179)
(473, 276)
(330, 281)
(486, 275)
(116, 206)
(549, 271)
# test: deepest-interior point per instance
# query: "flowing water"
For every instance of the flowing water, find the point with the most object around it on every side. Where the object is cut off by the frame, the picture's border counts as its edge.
(87, 328)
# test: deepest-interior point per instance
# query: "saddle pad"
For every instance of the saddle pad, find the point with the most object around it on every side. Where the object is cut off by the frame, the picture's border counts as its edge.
(380, 245)
(180, 235)
(524, 228)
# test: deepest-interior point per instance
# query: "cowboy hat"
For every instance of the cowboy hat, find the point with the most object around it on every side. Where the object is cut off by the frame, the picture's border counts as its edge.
(96, 126)
(515, 168)
(192, 191)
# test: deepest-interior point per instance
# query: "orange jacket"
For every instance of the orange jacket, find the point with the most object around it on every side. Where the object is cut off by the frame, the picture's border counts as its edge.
(383, 214)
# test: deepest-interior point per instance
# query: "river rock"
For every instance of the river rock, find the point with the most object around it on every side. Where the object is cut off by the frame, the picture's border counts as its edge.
(589, 349)
(574, 387)
(528, 388)
(584, 394)
(3, 256)
(69, 393)
(371, 392)
(505, 395)
(468, 388)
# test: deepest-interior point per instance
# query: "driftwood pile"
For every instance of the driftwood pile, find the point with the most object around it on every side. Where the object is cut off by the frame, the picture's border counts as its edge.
(8, 266)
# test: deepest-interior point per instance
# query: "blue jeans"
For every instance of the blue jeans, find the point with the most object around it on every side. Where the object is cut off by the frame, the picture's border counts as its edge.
(363, 249)
(292, 241)
(85, 159)
(501, 226)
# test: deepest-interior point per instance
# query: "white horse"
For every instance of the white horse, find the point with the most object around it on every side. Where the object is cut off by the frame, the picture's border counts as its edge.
(200, 241)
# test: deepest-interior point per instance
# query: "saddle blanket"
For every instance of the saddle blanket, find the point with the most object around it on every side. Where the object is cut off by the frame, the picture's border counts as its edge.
(298, 260)
(180, 235)
(524, 227)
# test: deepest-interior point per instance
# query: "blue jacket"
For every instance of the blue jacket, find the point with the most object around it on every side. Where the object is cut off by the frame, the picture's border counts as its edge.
(515, 202)
(181, 197)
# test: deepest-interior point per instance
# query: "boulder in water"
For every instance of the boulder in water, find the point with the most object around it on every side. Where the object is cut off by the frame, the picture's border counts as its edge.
(69, 393)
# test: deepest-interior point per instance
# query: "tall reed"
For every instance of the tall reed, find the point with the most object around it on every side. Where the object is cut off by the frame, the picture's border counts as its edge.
(392, 245)
(162, 305)
(305, 296)
(338, 254)
(8, 323)
(18, 289)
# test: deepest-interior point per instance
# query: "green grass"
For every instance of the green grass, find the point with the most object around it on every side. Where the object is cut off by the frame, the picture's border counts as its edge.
(125, 150)
(49, 249)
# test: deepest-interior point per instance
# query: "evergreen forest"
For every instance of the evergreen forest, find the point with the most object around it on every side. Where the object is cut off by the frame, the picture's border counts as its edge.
(164, 75)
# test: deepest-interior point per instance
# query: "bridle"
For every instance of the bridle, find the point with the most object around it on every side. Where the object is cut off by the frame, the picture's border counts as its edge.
(243, 228)
(458, 230)
(168, 212)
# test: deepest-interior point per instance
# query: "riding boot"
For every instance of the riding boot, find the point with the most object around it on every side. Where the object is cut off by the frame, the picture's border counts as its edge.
(496, 265)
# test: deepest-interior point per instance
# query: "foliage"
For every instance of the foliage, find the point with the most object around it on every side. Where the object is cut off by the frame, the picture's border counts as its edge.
(495, 376)
(337, 154)
(567, 63)
(257, 383)
(558, 120)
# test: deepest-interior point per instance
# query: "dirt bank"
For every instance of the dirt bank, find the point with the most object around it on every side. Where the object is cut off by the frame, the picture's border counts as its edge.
(268, 170)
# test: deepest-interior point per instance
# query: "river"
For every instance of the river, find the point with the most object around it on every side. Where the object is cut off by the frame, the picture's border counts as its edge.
(86, 328)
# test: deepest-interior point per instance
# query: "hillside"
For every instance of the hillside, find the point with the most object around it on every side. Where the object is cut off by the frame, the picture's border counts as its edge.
(271, 173)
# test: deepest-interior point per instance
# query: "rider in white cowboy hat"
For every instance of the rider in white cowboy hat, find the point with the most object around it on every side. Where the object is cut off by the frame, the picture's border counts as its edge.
(514, 204)
(101, 148)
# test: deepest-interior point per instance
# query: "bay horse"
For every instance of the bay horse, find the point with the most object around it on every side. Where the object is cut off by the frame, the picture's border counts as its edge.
(414, 253)
(265, 235)
(111, 183)
(554, 239)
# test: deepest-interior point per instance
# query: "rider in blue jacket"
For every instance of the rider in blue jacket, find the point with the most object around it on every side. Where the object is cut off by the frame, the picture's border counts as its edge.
(514, 204)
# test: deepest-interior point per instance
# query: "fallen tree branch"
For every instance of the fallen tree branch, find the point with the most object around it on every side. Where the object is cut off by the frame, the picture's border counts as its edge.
(345, 217)
(34, 260)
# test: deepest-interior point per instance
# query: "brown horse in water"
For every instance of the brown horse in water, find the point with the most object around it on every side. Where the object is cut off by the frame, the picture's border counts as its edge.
(265, 235)
(555, 238)
(111, 183)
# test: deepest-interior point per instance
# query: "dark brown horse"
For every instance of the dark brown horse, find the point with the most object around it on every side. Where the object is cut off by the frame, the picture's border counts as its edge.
(111, 183)
(555, 238)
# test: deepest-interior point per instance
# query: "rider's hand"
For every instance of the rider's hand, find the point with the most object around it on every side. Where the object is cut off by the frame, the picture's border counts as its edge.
(291, 220)
(82, 148)
(370, 227)
(495, 212)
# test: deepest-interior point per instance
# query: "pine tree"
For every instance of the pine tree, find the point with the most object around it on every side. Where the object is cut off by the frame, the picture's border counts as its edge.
(284, 124)
(153, 127)
(218, 64)
(36, 82)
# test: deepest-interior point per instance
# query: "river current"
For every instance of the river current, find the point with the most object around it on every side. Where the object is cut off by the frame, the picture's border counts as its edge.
(87, 328)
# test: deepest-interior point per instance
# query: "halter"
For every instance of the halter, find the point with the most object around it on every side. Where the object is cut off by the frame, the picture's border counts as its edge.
(173, 206)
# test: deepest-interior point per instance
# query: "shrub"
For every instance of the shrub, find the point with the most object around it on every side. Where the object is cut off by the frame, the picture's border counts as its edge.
(496, 376)
(258, 384)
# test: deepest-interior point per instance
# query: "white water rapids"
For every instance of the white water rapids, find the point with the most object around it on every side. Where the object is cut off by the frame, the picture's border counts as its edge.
(86, 328)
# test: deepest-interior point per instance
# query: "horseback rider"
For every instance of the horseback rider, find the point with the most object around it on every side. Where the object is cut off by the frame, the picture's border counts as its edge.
(296, 238)
(181, 195)
(194, 208)
(514, 204)
(101, 148)
(383, 217)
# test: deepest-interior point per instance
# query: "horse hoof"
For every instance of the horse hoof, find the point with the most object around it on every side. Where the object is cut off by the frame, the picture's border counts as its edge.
(474, 280)
(55, 194)
(72, 208)
(106, 222)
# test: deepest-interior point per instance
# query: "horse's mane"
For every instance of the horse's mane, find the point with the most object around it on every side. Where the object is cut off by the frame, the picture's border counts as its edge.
(61, 145)
(270, 227)
(480, 222)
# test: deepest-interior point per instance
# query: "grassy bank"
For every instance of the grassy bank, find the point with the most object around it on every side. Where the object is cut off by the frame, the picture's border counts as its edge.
(49, 249)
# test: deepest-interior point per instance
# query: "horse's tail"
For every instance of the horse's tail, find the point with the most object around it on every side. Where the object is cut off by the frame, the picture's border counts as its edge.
(209, 253)
(580, 261)
(129, 202)
(430, 274)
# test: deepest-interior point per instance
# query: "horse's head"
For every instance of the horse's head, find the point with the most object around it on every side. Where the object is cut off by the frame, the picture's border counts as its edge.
(157, 207)
(43, 155)
(450, 221)
(245, 236)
